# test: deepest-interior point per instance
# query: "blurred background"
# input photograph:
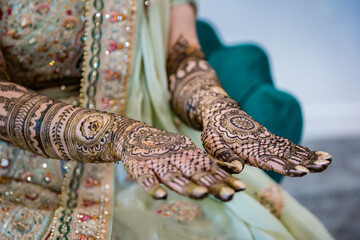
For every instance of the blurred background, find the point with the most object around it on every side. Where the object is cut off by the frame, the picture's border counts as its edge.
(314, 53)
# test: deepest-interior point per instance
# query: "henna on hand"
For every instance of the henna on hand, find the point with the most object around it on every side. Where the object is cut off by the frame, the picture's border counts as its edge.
(53, 129)
(153, 156)
(228, 133)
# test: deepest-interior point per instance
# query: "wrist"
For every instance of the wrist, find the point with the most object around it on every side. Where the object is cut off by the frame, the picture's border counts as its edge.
(182, 51)
(215, 103)
(219, 102)
(194, 85)
(81, 134)
(123, 126)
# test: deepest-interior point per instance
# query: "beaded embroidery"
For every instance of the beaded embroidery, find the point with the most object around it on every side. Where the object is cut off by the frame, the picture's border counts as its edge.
(104, 83)
(179, 210)
(42, 41)
(33, 52)
(26, 209)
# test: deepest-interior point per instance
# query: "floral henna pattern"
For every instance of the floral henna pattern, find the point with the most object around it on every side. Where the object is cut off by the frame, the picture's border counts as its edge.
(147, 142)
(192, 82)
(56, 130)
(152, 156)
(92, 126)
(228, 133)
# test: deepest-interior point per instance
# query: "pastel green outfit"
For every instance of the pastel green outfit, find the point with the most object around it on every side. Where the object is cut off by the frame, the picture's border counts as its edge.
(263, 211)
(44, 198)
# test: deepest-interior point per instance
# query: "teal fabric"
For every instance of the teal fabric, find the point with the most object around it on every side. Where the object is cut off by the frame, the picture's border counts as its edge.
(208, 38)
(244, 72)
(242, 218)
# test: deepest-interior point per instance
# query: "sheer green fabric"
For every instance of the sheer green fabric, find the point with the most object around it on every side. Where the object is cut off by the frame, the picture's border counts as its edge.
(135, 215)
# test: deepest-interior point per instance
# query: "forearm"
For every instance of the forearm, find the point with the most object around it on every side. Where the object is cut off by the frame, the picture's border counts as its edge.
(193, 83)
(228, 133)
(53, 129)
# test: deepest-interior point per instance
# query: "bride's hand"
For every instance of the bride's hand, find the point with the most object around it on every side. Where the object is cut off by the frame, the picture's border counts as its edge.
(152, 156)
(231, 135)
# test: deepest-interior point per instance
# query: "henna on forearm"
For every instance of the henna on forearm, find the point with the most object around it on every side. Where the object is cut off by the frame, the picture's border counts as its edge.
(151, 156)
(229, 133)
(193, 84)
(53, 129)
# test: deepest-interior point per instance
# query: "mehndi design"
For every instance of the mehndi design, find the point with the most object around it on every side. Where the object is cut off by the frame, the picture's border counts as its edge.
(54, 129)
(228, 133)
(151, 156)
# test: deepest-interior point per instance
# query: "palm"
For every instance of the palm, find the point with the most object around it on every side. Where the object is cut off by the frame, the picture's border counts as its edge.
(234, 137)
(152, 156)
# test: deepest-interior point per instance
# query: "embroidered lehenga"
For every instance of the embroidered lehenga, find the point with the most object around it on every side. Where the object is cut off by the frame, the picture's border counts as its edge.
(118, 49)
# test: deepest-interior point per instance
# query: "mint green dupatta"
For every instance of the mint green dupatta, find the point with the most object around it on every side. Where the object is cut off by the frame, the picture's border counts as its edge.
(263, 211)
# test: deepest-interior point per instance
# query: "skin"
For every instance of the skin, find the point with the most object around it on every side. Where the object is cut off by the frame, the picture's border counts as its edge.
(151, 156)
(228, 133)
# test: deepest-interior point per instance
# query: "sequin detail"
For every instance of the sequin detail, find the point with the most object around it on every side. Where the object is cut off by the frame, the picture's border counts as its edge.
(43, 56)
(179, 210)
(42, 41)
(114, 23)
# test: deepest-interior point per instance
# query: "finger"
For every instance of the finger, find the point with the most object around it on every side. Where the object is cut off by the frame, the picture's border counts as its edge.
(173, 179)
(192, 161)
(216, 188)
(202, 170)
(198, 166)
(315, 161)
(146, 178)
(278, 165)
(225, 177)
(319, 162)
(224, 156)
(232, 167)
(151, 185)
(272, 157)
(323, 156)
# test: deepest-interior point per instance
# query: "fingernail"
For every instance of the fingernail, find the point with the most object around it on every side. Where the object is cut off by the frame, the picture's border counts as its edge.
(301, 169)
(323, 155)
(238, 185)
(321, 162)
(160, 193)
(226, 193)
(238, 166)
(199, 191)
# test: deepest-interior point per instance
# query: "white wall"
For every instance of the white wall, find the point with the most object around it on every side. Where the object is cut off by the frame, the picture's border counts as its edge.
(314, 48)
